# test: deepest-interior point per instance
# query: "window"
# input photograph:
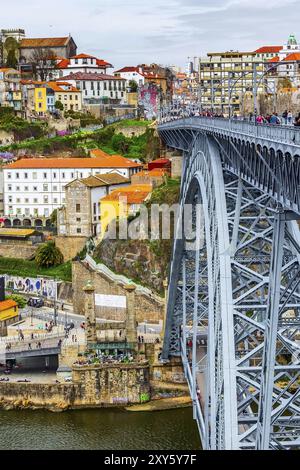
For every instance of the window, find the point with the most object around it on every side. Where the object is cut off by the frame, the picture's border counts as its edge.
(59, 97)
(54, 175)
(19, 212)
(34, 175)
(18, 200)
(65, 97)
(45, 187)
(72, 175)
(55, 200)
(95, 208)
(26, 176)
(17, 176)
(45, 199)
(26, 200)
(35, 188)
(76, 97)
(35, 201)
(79, 230)
(63, 175)
(10, 199)
(17, 188)
(26, 188)
(55, 189)
(77, 207)
(81, 175)
(45, 176)
(46, 212)
(71, 97)
(78, 219)
(9, 187)
(27, 211)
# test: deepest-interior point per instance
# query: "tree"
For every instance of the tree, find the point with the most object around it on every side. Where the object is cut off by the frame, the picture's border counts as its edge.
(59, 106)
(53, 217)
(11, 61)
(19, 299)
(133, 86)
(48, 255)
(43, 63)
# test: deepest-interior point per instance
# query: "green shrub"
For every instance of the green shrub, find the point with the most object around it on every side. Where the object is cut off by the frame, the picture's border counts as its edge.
(48, 255)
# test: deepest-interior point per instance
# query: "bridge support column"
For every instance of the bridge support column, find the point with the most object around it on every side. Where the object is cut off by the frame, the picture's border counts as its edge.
(271, 325)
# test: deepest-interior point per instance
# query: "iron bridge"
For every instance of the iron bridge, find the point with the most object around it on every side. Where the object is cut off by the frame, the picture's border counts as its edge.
(233, 311)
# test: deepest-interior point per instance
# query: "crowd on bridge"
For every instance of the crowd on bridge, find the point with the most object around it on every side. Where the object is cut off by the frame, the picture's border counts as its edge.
(285, 119)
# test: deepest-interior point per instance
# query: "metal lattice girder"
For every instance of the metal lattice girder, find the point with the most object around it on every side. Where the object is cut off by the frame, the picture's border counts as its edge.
(237, 295)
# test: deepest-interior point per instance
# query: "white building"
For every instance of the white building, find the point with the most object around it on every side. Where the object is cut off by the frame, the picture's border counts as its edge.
(36, 187)
(131, 74)
(98, 86)
(83, 63)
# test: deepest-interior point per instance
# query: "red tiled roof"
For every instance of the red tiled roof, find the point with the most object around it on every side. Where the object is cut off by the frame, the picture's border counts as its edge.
(274, 59)
(295, 56)
(135, 194)
(57, 86)
(44, 42)
(111, 161)
(90, 76)
(100, 62)
(269, 49)
(63, 64)
(127, 69)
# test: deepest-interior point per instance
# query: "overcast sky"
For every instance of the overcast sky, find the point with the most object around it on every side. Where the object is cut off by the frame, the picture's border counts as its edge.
(128, 32)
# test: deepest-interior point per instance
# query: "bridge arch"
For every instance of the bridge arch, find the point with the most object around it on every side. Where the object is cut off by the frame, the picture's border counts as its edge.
(253, 243)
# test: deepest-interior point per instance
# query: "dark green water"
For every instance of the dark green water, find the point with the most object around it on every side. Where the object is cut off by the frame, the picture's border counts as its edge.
(98, 429)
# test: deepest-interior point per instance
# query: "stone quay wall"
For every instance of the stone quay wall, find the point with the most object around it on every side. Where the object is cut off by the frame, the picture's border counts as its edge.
(147, 308)
(18, 250)
(93, 387)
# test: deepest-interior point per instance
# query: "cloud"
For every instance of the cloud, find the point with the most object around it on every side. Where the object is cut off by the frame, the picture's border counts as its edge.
(165, 31)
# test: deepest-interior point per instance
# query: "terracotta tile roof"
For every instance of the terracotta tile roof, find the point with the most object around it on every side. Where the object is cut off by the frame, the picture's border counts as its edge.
(127, 69)
(63, 64)
(155, 173)
(107, 179)
(44, 42)
(269, 50)
(274, 59)
(103, 63)
(113, 161)
(98, 153)
(135, 194)
(57, 86)
(90, 76)
(295, 56)
(6, 304)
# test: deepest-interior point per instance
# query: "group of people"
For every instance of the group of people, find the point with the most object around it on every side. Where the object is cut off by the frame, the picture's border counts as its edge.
(286, 118)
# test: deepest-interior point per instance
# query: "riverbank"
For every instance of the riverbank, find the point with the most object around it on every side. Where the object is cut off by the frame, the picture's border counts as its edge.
(162, 404)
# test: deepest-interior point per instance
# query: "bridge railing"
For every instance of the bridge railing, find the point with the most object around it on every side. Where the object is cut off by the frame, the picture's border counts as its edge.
(274, 132)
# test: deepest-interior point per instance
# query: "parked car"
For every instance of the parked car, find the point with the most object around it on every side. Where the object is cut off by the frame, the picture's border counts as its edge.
(69, 326)
(35, 302)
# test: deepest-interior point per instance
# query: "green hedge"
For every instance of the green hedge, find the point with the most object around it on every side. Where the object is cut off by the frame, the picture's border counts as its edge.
(24, 268)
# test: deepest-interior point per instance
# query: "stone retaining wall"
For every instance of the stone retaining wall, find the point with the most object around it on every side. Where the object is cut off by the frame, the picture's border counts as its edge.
(93, 387)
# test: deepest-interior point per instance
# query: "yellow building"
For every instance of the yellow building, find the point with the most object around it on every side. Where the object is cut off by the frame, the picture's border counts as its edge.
(9, 313)
(40, 100)
(67, 94)
(122, 203)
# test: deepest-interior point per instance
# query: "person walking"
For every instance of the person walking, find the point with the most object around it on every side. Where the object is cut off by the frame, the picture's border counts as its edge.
(29, 346)
(289, 118)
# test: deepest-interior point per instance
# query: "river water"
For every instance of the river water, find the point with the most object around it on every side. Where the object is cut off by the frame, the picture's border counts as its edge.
(107, 429)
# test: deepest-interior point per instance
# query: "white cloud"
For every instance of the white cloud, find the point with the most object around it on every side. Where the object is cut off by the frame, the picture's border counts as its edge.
(166, 31)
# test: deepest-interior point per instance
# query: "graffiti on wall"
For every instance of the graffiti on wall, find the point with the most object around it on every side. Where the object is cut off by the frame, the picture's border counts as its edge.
(149, 98)
(27, 285)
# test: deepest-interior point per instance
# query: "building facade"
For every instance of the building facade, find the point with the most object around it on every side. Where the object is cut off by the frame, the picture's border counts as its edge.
(82, 63)
(36, 187)
(10, 89)
(226, 77)
(64, 47)
(81, 214)
(98, 87)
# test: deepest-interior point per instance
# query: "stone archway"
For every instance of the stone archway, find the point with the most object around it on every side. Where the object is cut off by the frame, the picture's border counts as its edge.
(17, 223)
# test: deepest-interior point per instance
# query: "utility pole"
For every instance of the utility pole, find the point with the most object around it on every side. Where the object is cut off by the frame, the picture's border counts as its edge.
(255, 89)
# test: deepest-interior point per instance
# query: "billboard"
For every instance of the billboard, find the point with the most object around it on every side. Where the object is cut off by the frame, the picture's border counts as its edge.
(35, 286)
(112, 301)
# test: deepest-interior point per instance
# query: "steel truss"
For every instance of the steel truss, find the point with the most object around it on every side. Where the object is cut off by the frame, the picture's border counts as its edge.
(234, 304)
